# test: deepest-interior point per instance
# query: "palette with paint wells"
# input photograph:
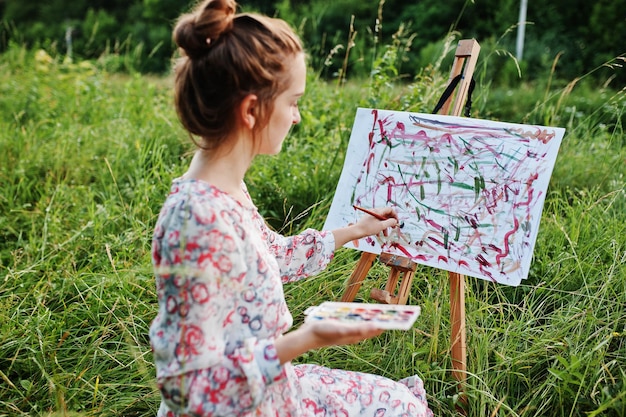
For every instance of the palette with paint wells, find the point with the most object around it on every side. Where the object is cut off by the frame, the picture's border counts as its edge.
(385, 316)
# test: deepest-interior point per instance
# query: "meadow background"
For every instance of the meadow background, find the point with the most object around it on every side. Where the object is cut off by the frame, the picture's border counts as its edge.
(87, 153)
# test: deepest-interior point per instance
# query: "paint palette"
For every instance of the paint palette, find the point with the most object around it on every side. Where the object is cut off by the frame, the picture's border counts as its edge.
(385, 316)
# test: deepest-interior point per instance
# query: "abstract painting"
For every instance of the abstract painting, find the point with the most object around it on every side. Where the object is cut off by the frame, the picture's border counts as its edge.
(469, 193)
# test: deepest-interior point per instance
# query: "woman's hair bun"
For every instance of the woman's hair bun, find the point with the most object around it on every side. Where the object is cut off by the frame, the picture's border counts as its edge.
(197, 31)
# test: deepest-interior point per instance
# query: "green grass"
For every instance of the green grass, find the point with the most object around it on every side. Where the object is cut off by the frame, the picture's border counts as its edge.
(86, 159)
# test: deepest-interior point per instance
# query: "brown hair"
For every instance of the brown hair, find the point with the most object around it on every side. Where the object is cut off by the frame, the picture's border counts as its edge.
(225, 57)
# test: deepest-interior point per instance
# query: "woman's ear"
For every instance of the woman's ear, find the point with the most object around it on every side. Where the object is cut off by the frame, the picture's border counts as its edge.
(247, 111)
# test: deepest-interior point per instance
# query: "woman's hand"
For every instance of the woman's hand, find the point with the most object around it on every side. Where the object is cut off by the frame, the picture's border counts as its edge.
(333, 333)
(323, 333)
(367, 225)
(372, 225)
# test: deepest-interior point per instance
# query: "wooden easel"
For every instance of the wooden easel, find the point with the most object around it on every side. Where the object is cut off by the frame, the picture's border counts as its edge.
(402, 268)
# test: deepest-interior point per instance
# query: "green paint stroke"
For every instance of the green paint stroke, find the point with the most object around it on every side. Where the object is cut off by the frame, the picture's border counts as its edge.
(462, 185)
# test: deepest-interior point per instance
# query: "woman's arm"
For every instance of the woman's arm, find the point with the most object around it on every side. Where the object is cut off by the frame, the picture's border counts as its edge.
(315, 335)
(310, 252)
(366, 226)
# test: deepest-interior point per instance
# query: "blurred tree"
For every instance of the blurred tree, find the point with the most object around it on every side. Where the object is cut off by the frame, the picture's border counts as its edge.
(579, 33)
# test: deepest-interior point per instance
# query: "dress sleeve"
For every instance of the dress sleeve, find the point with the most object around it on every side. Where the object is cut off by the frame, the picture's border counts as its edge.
(298, 256)
(301, 255)
(202, 271)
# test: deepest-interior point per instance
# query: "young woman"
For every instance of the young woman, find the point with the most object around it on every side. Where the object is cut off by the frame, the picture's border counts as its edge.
(221, 339)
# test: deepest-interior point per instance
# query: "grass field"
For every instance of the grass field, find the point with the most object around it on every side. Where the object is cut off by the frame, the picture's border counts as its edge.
(86, 158)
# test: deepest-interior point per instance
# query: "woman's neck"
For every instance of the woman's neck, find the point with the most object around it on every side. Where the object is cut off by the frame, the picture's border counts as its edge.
(224, 170)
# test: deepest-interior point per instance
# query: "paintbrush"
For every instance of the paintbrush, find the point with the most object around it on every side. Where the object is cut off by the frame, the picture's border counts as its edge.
(376, 215)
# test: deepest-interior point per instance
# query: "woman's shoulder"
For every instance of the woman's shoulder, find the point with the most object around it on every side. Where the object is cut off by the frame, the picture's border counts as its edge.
(201, 202)
(199, 190)
(200, 208)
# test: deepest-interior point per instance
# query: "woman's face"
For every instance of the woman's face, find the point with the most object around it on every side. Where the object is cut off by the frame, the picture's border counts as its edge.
(286, 112)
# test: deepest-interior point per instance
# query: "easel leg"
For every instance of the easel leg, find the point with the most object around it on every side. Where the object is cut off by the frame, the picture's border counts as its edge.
(357, 276)
(386, 296)
(458, 336)
(465, 60)
(405, 287)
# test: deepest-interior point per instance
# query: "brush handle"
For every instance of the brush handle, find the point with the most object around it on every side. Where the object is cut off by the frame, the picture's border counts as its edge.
(370, 212)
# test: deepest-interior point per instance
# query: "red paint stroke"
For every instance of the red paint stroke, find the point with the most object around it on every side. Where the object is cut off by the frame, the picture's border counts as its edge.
(404, 250)
(383, 134)
(434, 224)
(371, 135)
(532, 179)
(482, 261)
(447, 138)
(391, 182)
(506, 241)
(527, 202)
(399, 132)
(471, 220)
(463, 263)
(437, 241)
(488, 275)
(495, 248)
(529, 185)
(368, 163)
(442, 258)
(491, 200)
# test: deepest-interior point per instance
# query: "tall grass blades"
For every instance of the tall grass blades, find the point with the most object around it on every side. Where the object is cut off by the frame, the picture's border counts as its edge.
(86, 160)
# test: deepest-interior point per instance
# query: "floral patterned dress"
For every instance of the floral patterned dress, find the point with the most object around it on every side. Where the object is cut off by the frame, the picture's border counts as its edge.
(219, 272)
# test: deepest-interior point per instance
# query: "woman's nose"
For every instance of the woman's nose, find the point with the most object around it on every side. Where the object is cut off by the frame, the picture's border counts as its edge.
(296, 117)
